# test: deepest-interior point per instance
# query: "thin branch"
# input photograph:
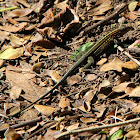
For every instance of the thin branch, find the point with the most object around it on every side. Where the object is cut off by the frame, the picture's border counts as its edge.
(127, 54)
(96, 128)
(22, 124)
(100, 23)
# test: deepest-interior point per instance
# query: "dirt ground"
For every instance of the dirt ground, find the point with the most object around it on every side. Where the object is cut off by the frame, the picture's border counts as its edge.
(39, 40)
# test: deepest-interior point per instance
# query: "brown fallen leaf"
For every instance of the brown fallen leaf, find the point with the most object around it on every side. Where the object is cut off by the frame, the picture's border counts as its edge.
(48, 15)
(130, 65)
(102, 61)
(15, 92)
(133, 135)
(136, 109)
(87, 120)
(130, 87)
(130, 15)
(54, 75)
(101, 9)
(64, 102)
(91, 77)
(29, 115)
(49, 135)
(121, 87)
(74, 79)
(32, 91)
(16, 40)
(117, 64)
(135, 92)
(11, 134)
(12, 28)
(45, 110)
(43, 45)
(20, 12)
(11, 108)
(37, 67)
(122, 79)
(72, 127)
(104, 84)
(114, 65)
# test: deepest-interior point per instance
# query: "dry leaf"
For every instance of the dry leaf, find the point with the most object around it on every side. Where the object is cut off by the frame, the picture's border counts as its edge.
(16, 40)
(104, 83)
(87, 120)
(129, 88)
(12, 28)
(101, 9)
(54, 75)
(74, 79)
(49, 135)
(90, 77)
(11, 134)
(117, 64)
(130, 65)
(20, 12)
(64, 102)
(11, 53)
(122, 79)
(102, 61)
(11, 108)
(121, 87)
(45, 110)
(43, 45)
(132, 5)
(32, 91)
(133, 134)
(136, 109)
(37, 67)
(98, 17)
(89, 95)
(29, 115)
(72, 127)
(135, 92)
(15, 92)
(131, 16)
(114, 65)
(5, 125)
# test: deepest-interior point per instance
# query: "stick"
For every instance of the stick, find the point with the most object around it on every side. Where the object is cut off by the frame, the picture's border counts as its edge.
(100, 23)
(127, 54)
(95, 128)
(22, 124)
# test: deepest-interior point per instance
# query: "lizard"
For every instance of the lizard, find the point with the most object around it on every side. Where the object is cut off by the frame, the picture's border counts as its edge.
(96, 49)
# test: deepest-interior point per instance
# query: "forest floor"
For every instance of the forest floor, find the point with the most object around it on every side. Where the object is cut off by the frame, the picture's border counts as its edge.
(38, 40)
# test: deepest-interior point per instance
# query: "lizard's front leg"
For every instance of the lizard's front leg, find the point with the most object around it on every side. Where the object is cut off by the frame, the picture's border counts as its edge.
(90, 61)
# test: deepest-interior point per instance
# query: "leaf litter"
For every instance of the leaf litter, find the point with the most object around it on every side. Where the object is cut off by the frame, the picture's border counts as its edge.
(37, 41)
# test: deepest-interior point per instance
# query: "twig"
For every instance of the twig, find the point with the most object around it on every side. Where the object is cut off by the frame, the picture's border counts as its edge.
(114, 15)
(127, 54)
(43, 128)
(21, 124)
(96, 128)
